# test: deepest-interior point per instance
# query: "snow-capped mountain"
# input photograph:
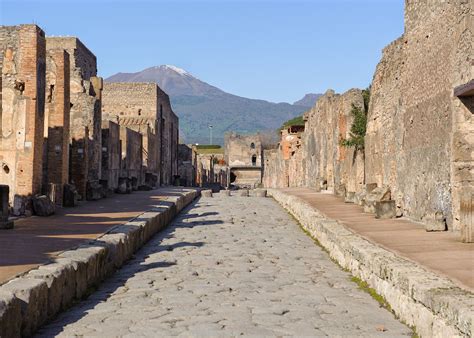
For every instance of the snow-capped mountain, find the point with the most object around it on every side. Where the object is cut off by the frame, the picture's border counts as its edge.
(199, 104)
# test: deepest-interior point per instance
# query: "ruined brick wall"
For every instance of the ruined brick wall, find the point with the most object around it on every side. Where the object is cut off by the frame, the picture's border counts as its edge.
(85, 112)
(419, 138)
(132, 155)
(186, 170)
(243, 150)
(140, 106)
(23, 66)
(111, 153)
(169, 138)
(275, 169)
(56, 133)
(328, 164)
(134, 105)
(318, 160)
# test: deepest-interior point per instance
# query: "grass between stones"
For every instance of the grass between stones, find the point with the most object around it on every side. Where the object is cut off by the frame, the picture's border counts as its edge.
(364, 286)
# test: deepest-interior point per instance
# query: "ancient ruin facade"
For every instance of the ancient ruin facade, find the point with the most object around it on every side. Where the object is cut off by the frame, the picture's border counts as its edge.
(85, 115)
(243, 155)
(418, 150)
(146, 109)
(420, 133)
(22, 82)
(56, 130)
(111, 154)
(186, 170)
(315, 158)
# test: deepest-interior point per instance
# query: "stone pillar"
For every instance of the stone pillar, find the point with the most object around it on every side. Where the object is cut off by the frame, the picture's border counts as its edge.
(467, 224)
(57, 122)
(4, 195)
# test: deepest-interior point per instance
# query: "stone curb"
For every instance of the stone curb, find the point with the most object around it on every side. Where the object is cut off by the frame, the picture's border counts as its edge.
(29, 301)
(433, 304)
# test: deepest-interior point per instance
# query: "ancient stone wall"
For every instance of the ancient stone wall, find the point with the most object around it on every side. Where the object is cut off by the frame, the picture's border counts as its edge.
(85, 112)
(145, 108)
(315, 158)
(22, 65)
(111, 154)
(132, 156)
(56, 131)
(419, 137)
(186, 170)
(243, 150)
(328, 164)
(169, 139)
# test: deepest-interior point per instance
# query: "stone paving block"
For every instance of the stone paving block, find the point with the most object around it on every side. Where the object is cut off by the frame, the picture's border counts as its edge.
(206, 193)
(420, 297)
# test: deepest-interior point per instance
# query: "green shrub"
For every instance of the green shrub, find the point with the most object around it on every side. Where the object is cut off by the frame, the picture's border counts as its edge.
(359, 125)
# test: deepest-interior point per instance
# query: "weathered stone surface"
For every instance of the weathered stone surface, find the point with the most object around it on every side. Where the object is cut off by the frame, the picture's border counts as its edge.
(22, 106)
(146, 109)
(416, 133)
(43, 206)
(350, 197)
(85, 135)
(70, 196)
(243, 155)
(225, 193)
(124, 186)
(376, 195)
(242, 192)
(317, 159)
(385, 209)
(206, 193)
(10, 314)
(260, 192)
(435, 222)
(53, 287)
(5, 223)
(229, 267)
(417, 296)
(94, 190)
(467, 217)
(33, 294)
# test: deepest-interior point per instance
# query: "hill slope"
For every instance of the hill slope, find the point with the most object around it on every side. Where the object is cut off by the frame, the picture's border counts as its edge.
(199, 104)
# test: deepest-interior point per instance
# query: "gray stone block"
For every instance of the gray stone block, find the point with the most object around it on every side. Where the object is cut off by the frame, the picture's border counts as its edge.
(350, 197)
(10, 314)
(206, 193)
(260, 193)
(243, 192)
(33, 294)
(385, 209)
(43, 206)
(435, 222)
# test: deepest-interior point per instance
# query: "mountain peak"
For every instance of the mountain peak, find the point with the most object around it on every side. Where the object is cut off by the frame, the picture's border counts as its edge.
(178, 70)
(309, 100)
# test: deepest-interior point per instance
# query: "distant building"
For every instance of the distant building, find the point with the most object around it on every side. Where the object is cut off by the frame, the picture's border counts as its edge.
(243, 155)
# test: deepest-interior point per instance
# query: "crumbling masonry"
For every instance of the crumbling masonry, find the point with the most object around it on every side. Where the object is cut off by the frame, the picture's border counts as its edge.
(54, 141)
(146, 109)
(420, 132)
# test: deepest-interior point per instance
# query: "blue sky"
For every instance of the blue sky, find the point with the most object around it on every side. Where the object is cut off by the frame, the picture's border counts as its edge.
(269, 49)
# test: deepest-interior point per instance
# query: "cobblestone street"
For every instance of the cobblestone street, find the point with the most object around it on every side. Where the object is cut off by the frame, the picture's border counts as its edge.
(229, 266)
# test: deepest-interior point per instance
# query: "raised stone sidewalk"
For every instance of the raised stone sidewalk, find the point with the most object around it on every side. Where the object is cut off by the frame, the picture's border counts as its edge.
(28, 301)
(418, 295)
